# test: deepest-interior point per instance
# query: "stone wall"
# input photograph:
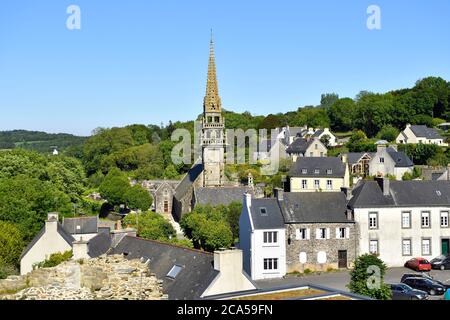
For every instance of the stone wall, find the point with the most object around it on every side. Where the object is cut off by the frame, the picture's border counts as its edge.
(312, 247)
(103, 278)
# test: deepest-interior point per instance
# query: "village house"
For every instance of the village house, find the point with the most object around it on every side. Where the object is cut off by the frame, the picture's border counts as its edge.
(306, 147)
(420, 134)
(318, 174)
(358, 162)
(294, 232)
(389, 161)
(402, 219)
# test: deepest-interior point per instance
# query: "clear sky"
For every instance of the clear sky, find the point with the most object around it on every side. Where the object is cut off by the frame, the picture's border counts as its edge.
(145, 61)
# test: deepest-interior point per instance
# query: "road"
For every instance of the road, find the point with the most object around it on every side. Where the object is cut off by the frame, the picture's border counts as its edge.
(339, 279)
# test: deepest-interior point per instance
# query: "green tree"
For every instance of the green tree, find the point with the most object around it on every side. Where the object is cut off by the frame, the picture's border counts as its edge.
(388, 133)
(138, 198)
(342, 114)
(150, 225)
(367, 278)
(114, 187)
(373, 112)
(11, 244)
(328, 99)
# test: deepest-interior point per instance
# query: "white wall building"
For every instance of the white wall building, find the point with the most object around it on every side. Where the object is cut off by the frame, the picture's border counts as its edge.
(420, 134)
(399, 220)
(262, 238)
(389, 161)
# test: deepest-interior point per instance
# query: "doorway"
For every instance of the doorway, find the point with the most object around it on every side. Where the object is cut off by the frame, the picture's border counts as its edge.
(342, 259)
(445, 243)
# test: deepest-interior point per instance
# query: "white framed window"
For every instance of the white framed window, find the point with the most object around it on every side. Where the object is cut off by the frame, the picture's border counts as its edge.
(342, 233)
(316, 171)
(329, 184)
(444, 219)
(426, 247)
(321, 233)
(329, 171)
(270, 237)
(304, 171)
(406, 219)
(373, 220)
(271, 264)
(425, 219)
(302, 234)
(304, 184)
(406, 247)
(316, 184)
(381, 160)
(373, 246)
(316, 146)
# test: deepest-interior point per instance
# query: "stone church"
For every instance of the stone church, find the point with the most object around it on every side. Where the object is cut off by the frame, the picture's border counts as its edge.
(205, 183)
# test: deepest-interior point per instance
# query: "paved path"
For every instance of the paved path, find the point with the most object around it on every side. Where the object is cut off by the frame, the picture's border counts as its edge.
(339, 279)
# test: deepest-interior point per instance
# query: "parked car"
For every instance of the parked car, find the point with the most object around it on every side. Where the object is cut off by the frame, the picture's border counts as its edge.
(447, 295)
(441, 262)
(401, 291)
(418, 264)
(412, 275)
(422, 283)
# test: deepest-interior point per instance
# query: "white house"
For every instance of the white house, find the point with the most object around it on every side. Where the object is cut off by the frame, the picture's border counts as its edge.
(262, 238)
(420, 134)
(320, 133)
(399, 220)
(389, 161)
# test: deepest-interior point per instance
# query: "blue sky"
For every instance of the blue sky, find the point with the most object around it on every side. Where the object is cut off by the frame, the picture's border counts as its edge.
(145, 61)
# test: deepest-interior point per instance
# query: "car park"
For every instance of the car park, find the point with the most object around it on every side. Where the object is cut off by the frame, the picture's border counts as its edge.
(430, 286)
(401, 291)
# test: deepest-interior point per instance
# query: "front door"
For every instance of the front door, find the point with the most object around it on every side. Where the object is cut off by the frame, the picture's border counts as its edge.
(166, 206)
(445, 246)
(342, 258)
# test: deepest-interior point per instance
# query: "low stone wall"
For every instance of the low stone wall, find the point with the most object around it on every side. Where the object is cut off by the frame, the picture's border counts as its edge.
(103, 278)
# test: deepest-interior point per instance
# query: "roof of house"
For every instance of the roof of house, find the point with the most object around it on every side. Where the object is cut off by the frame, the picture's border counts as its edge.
(62, 232)
(300, 145)
(322, 164)
(100, 244)
(319, 132)
(266, 214)
(81, 225)
(197, 266)
(188, 180)
(415, 193)
(354, 157)
(314, 207)
(400, 158)
(220, 195)
(425, 132)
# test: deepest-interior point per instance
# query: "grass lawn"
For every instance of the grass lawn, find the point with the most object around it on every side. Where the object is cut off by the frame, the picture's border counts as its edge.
(283, 295)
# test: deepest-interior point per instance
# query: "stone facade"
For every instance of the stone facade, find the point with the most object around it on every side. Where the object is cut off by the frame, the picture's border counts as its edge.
(104, 278)
(304, 254)
(162, 192)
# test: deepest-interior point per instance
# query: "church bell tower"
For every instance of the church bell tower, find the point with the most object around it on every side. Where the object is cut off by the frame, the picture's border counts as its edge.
(213, 124)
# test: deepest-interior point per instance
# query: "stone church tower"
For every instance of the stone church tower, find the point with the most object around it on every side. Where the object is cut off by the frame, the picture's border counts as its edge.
(213, 124)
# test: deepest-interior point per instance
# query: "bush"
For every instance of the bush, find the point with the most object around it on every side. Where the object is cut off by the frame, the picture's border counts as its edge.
(150, 225)
(11, 244)
(55, 259)
(388, 133)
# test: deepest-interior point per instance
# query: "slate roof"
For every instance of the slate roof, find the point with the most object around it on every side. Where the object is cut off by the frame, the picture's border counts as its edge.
(272, 219)
(415, 193)
(100, 244)
(424, 131)
(299, 145)
(198, 266)
(400, 158)
(62, 232)
(188, 180)
(86, 225)
(314, 207)
(318, 133)
(219, 195)
(354, 157)
(321, 163)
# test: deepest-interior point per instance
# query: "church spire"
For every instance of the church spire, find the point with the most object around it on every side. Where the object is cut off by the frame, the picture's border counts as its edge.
(212, 102)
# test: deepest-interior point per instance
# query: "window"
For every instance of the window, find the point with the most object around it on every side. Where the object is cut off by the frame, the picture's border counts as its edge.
(381, 160)
(316, 184)
(329, 171)
(406, 219)
(316, 171)
(270, 237)
(311, 154)
(174, 271)
(321, 154)
(373, 246)
(301, 234)
(316, 146)
(342, 234)
(304, 171)
(444, 219)
(329, 184)
(304, 184)
(322, 233)
(425, 219)
(373, 220)
(263, 211)
(426, 247)
(271, 264)
(406, 247)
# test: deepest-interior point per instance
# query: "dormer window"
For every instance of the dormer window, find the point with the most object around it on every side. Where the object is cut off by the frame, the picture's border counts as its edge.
(329, 171)
(316, 171)
(304, 171)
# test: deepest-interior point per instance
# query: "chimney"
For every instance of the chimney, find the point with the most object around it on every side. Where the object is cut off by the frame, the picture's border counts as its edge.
(381, 147)
(348, 192)
(278, 193)
(344, 158)
(250, 180)
(384, 184)
(118, 235)
(80, 249)
(248, 199)
(51, 225)
(394, 146)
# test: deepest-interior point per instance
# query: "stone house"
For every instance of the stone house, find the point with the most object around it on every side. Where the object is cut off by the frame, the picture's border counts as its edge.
(420, 134)
(306, 147)
(162, 192)
(389, 161)
(399, 220)
(358, 162)
(318, 174)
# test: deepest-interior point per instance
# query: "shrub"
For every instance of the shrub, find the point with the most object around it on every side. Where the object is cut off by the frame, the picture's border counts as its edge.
(55, 259)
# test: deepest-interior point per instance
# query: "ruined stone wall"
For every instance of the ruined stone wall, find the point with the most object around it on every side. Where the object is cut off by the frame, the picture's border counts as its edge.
(103, 278)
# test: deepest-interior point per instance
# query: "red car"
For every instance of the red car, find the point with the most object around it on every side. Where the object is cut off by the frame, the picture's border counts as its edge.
(418, 264)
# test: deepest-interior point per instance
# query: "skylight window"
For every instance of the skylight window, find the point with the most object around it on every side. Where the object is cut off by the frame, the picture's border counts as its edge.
(174, 271)
(438, 193)
(263, 211)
